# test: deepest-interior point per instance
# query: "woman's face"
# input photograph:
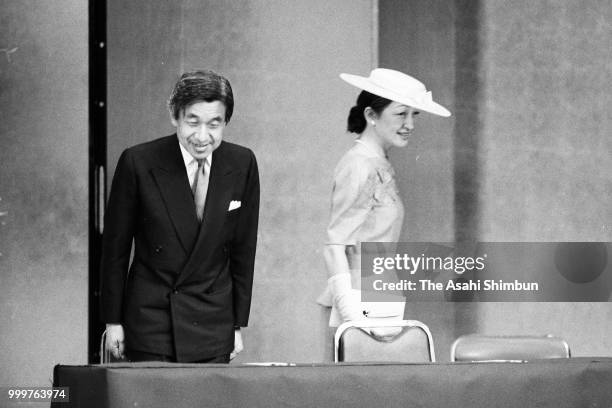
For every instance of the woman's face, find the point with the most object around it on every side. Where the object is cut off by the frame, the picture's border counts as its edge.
(395, 125)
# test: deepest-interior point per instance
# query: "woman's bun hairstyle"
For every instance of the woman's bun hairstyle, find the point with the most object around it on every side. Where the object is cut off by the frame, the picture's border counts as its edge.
(356, 122)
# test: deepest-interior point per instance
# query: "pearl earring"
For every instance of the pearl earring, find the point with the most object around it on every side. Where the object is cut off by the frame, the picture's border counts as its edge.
(373, 124)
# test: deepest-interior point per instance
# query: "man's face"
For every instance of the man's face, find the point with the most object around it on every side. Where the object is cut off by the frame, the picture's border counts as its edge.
(200, 128)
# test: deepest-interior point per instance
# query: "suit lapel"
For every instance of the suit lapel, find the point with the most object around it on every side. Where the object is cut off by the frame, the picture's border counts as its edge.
(173, 183)
(220, 187)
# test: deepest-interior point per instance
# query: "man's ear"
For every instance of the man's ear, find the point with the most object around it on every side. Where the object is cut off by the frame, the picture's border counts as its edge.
(173, 120)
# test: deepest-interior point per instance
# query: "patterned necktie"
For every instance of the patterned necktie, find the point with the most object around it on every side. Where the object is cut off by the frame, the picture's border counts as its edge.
(199, 188)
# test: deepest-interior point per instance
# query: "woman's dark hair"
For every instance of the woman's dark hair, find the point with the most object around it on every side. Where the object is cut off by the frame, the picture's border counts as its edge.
(201, 86)
(356, 122)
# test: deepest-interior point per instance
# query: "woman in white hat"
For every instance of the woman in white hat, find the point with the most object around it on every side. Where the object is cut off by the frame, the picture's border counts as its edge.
(366, 205)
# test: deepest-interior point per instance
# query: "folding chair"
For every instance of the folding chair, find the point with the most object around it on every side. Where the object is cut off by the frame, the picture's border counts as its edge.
(105, 355)
(413, 344)
(479, 347)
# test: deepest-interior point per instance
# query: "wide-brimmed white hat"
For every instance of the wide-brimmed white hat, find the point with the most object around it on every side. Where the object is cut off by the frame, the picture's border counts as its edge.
(398, 87)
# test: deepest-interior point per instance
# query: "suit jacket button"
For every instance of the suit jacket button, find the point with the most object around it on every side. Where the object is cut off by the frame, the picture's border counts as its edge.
(195, 323)
(158, 249)
(175, 291)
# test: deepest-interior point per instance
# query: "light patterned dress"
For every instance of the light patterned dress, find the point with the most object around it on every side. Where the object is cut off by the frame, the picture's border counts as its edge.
(365, 207)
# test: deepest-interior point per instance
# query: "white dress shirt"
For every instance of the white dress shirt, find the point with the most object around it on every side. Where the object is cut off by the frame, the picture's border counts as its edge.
(191, 165)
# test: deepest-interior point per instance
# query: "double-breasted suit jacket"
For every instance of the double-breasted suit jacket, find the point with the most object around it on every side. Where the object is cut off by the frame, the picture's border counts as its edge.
(189, 284)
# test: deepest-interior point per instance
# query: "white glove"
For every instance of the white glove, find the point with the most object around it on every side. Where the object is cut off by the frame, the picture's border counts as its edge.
(349, 307)
(238, 344)
(347, 304)
(115, 340)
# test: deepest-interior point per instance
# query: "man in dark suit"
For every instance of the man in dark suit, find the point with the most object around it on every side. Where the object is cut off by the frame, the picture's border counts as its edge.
(190, 204)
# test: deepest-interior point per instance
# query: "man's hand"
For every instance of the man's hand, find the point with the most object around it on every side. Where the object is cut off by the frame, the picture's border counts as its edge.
(238, 345)
(115, 340)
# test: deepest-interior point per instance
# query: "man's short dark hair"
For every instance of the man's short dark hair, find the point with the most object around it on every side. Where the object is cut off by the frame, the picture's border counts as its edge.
(201, 86)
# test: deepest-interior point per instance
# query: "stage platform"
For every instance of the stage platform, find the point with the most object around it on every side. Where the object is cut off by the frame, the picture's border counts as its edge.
(575, 382)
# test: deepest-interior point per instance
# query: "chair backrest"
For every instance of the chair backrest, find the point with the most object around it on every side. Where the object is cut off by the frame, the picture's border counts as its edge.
(479, 347)
(104, 353)
(413, 344)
